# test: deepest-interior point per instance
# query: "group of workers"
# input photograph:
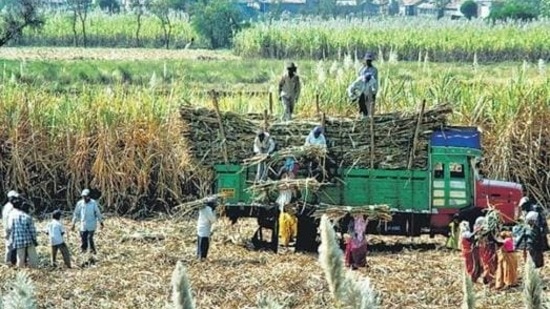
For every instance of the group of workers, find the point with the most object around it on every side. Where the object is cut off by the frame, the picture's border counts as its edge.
(20, 232)
(361, 92)
(492, 255)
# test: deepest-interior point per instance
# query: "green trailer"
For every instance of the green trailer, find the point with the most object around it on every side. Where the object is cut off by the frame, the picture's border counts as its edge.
(421, 200)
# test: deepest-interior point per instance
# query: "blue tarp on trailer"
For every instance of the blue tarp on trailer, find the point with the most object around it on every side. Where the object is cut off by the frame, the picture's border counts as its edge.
(467, 137)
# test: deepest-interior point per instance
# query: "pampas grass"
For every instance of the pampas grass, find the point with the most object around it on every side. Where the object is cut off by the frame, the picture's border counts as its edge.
(347, 288)
(181, 289)
(469, 298)
(532, 286)
(21, 295)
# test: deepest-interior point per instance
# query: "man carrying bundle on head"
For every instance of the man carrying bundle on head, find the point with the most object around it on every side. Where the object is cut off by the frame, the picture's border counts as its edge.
(289, 90)
(263, 144)
(363, 92)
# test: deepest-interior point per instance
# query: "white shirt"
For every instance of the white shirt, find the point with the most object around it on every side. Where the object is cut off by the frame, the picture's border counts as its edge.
(5, 214)
(267, 146)
(206, 219)
(55, 232)
(311, 140)
(87, 214)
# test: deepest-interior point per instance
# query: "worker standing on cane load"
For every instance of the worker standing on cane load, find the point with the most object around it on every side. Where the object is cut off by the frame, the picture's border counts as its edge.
(363, 91)
(370, 73)
(289, 90)
(315, 138)
(263, 144)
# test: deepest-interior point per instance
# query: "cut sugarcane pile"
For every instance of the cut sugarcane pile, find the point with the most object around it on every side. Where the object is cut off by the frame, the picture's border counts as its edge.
(275, 185)
(372, 212)
(187, 208)
(205, 138)
(297, 152)
(349, 141)
(493, 222)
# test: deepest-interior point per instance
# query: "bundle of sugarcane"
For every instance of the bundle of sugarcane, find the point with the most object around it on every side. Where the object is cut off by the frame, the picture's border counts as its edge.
(284, 184)
(206, 140)
(492, 223)
(372, 212)
(311, 151)
(189, 207)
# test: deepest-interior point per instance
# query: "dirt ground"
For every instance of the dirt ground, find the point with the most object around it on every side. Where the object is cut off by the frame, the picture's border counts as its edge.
(408, 273)
(74, 53)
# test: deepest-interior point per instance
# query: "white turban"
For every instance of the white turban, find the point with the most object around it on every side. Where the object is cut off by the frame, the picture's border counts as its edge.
(532, 216)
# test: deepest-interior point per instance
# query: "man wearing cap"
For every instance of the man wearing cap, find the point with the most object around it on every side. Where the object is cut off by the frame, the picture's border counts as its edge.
(360, 90)
(10, 254)
(22, 235)
(87, 213)
(263, 144)
(289, 90)
(370, 74)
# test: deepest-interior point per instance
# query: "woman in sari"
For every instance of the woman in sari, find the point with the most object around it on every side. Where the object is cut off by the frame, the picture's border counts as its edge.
(356, 247)
(487, 252)
(470, 252)
(288, 223)
(507, 263)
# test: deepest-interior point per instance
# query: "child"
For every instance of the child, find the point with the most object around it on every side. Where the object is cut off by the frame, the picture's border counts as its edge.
(452, 241)
(507, 264)
(55, 232)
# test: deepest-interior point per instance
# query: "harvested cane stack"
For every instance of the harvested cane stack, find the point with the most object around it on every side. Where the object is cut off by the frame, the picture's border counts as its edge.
(206, 140)
(395, 138)
(261, 191)
(372, 212)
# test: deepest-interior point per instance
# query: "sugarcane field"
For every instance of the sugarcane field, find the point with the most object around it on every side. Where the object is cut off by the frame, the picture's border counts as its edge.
(223, 154)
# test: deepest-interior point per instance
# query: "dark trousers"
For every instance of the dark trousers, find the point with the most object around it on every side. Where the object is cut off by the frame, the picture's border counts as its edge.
(64, 252)
(13, 256)
(87, 241)
(364, 104)
(203, 243)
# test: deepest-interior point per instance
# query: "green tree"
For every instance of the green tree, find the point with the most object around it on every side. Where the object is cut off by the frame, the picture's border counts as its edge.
(162, 9)
(111, 6)
(440, 6)
(469, 9)
(80, 9)
(138, 7)
(218, 22)
(17, 15)
(514, 9)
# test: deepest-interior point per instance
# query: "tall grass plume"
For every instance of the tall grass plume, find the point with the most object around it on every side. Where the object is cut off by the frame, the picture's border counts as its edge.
(181, 289)
(346, 288)
(22, 294)
(532, 286)
(469, 298)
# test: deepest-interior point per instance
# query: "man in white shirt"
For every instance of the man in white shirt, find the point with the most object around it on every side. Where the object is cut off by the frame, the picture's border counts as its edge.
(263, 144)
(363, 91)
(204, 228)
(10, 254)
(315, 138)
(88, 214)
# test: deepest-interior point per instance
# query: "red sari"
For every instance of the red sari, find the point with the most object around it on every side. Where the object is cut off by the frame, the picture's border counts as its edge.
(470, 254)
(488, 256)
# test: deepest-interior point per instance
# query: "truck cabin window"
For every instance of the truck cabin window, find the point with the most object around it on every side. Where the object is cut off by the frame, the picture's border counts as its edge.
(439, 170)
(456, 170)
